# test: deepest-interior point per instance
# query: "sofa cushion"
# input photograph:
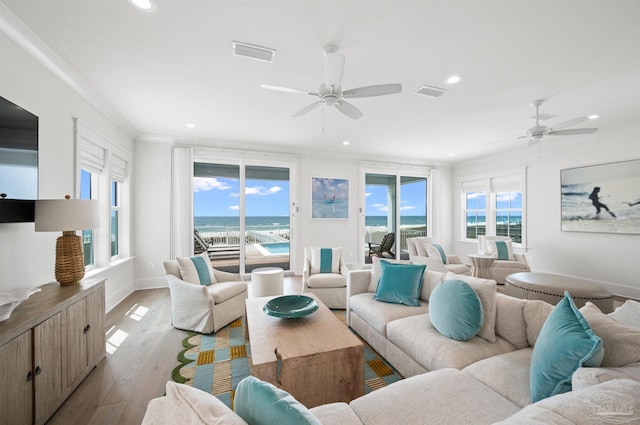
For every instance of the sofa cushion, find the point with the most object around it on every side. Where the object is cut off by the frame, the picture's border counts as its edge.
(516, 266)
(262, 403)
(336, 413)
(510, 323)
(628, 314)
(486, 290)
(400, 283)
(223, 291)
(325, 260)
(455, 310)
(588, 376)
(188, 405)
(621, 343)
(417, 337)
(535, 314)
(196, 269)
(566, 342)
(613, 402)
(507, 374)
(327, 280)
(378, 314)
(440, 397)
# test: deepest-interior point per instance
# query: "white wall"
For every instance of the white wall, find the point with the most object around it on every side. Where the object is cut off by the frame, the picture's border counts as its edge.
(608, 259)
(27, 258)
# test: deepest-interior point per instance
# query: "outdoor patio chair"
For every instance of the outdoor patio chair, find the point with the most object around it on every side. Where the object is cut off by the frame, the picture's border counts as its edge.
(384, 247)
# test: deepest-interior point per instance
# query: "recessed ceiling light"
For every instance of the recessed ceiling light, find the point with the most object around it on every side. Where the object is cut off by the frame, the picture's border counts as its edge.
(346, 143)
(593, 117)
(454, 79)
(190, 125)
(146, 5)
(451, 154)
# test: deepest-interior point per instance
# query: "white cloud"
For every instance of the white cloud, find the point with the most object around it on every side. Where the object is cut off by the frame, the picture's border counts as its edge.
(234, 207)
(408, 207)
(261, 191)
(204, 184)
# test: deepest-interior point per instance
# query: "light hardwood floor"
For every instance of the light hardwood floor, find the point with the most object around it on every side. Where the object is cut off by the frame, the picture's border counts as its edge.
(141, 353)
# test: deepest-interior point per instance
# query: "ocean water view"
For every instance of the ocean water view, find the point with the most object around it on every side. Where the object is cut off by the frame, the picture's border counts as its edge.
(207, 223)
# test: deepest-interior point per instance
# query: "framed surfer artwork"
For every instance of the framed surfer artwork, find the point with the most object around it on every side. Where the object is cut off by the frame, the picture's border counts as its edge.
(601, 198)
(329, 198)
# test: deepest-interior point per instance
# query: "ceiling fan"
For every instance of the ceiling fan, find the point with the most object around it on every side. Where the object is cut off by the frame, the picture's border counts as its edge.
(330, 92)
(538, 132)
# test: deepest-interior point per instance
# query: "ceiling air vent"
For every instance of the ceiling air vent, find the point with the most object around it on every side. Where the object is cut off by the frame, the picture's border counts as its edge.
(431, 91)
(252, 51)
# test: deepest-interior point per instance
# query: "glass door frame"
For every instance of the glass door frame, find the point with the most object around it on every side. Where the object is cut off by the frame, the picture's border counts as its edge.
(243, 161)
(399, 171)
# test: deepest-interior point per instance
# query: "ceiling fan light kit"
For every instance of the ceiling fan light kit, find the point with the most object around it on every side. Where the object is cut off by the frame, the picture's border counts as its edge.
(330, 91)
(538, 132)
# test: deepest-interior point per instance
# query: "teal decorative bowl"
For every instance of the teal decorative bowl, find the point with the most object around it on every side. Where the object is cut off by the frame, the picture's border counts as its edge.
(290, 306)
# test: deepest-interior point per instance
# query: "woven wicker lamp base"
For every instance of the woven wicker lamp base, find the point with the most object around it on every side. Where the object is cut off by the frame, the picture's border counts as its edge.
(69, 259)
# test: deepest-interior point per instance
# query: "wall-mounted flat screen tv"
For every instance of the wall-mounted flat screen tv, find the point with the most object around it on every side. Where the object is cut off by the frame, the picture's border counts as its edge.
(18, 162)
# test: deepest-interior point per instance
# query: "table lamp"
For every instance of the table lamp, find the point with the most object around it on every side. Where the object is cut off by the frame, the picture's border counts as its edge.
(67, 215)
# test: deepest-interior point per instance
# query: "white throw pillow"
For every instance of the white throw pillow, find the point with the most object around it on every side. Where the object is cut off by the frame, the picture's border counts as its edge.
(187, 405)
(436, 251)
(197, 269)
(628, 314)
(502, 250)
(325, 260)
(486, 290)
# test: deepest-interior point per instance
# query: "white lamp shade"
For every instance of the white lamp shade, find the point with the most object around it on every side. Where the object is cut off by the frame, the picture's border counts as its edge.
(53, 215)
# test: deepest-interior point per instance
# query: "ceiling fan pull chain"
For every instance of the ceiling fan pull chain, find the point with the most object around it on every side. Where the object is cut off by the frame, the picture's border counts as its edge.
(323, 117)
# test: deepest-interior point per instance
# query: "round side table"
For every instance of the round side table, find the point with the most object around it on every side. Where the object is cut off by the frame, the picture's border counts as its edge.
(481, 265)
(266, 281)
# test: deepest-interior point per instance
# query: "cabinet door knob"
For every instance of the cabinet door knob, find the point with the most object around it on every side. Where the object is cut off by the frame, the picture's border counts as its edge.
(86, 329)
(38, 370)
(30, 376)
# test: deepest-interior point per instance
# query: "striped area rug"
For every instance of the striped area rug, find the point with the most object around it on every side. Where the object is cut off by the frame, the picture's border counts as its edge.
(216, 363)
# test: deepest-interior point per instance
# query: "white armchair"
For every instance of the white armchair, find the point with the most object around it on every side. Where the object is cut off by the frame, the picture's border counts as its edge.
(204, 309)
(330, 288)
(418, 253)
(500, 269)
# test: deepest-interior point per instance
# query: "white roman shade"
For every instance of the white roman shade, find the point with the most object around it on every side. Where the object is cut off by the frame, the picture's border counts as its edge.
(119, 168)
(92, 156)
(474, 186)
(506, 184)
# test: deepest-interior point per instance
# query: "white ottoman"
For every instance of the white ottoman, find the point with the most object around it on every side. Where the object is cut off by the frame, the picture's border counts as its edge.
(265, 282)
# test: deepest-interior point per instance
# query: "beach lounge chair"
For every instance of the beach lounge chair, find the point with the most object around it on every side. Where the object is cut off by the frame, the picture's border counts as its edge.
(384, 247)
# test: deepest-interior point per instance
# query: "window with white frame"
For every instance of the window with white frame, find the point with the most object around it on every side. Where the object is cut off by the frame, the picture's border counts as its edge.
(494, 206)
(102, 176)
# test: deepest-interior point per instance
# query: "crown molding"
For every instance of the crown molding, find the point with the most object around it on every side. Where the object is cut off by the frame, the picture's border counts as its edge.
(27, 40)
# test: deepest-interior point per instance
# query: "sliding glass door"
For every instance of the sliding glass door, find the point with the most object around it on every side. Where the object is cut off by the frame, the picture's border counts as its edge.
(242, 215)
(394, 204)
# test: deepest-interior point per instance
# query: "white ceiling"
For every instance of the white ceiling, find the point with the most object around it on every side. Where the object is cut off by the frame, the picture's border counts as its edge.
(164, 69)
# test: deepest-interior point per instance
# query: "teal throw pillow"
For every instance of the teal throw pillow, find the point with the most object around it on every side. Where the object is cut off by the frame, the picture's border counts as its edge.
(261, 403)
(565, 343)
(455, 310)
(400, 283)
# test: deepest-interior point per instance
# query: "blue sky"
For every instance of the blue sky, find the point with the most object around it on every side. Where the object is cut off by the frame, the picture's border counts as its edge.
(220, 197)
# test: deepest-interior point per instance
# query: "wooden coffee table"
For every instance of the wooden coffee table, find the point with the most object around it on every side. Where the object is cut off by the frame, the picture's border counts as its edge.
(314, 358)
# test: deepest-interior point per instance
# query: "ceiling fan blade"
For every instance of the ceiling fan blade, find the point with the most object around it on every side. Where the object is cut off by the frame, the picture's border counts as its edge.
(572, 131)
(287, 89)
(307, 109)
(369, 91)
(348, 109)
(569, 123)
(334, 70)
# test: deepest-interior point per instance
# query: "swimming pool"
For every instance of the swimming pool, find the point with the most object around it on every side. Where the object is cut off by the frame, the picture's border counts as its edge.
(275, 248)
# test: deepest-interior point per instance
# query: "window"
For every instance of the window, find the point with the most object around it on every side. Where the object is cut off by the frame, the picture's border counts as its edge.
(494, 206)
(88, 186)
(475, 213)
(508, 215)
(115, 217)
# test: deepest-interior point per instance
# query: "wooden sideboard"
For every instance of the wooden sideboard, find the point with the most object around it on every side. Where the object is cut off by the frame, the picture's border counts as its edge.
(47, 347)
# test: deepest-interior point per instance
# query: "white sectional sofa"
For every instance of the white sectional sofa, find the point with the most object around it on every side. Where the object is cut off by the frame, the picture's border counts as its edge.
(457, 382)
